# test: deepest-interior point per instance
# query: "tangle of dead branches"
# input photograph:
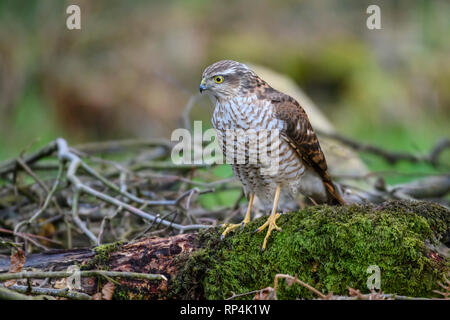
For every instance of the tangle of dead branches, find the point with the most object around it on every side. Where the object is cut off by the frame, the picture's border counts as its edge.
(85, 199)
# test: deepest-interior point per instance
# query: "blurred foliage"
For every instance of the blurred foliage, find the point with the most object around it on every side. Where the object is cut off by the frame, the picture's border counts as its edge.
(220, 198)
(132, 68)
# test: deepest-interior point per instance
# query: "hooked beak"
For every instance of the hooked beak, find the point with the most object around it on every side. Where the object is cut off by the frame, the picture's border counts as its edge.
(203, 86)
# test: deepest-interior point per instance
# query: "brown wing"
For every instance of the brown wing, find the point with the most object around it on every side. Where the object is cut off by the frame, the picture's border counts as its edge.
(301, 136)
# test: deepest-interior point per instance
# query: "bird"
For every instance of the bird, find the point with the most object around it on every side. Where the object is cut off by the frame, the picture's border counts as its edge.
(243, 102)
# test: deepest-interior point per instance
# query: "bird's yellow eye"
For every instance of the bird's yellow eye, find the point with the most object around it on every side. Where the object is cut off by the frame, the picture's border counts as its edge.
(218, 79)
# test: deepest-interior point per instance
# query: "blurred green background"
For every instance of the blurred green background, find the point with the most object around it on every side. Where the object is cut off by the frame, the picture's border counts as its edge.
(133, 66)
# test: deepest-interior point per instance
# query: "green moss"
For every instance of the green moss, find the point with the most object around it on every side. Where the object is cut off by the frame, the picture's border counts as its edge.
(438, 219)
(328, 247)
(127, 293)
(102, 254)
(121, 293)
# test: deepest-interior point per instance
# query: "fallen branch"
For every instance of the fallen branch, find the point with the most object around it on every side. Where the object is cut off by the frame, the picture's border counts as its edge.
(6, 294)
(142, 266)
(90, 273)
(62, 293)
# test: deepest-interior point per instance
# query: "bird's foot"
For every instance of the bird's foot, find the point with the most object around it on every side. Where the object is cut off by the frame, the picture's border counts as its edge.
(231, 226)
(271, 225)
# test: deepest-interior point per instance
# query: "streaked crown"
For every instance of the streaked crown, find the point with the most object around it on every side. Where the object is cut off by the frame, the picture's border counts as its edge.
(225, 67)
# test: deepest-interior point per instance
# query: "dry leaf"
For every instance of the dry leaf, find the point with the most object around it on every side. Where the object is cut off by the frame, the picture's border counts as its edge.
(18, 260)
(107, 292)
(266, 294)
(97, 296)
(290, 281)
(353, 292)
(60, 284)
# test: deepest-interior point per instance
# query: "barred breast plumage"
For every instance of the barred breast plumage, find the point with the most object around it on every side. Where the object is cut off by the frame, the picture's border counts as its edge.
(246, 114)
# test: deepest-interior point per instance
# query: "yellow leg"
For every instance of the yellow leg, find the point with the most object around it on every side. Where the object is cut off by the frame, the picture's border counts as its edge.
(271, 222)
(231, 226)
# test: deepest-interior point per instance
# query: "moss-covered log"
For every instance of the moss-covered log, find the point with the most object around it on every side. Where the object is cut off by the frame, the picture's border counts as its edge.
(329, 248)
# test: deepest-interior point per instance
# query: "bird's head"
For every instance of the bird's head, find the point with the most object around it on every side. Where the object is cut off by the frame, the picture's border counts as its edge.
(225, 79)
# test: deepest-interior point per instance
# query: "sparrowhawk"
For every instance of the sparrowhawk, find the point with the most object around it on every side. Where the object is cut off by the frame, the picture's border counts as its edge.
(246, 103)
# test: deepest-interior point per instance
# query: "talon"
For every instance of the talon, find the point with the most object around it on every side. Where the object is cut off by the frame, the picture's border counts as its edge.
(271, 225)
(230, 226)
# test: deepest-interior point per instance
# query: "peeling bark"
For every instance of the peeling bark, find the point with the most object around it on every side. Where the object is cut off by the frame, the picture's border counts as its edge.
(146, 255)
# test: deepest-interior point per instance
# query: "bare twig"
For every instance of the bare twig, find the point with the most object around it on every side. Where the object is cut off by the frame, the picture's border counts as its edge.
(187, 110)
(6, 294)
(77, 220)
(290, 280)
(63, 293)
(46, 203)
(234, 295)
(29, 235)
(446, 287)
(11, 165)
(84, 273)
